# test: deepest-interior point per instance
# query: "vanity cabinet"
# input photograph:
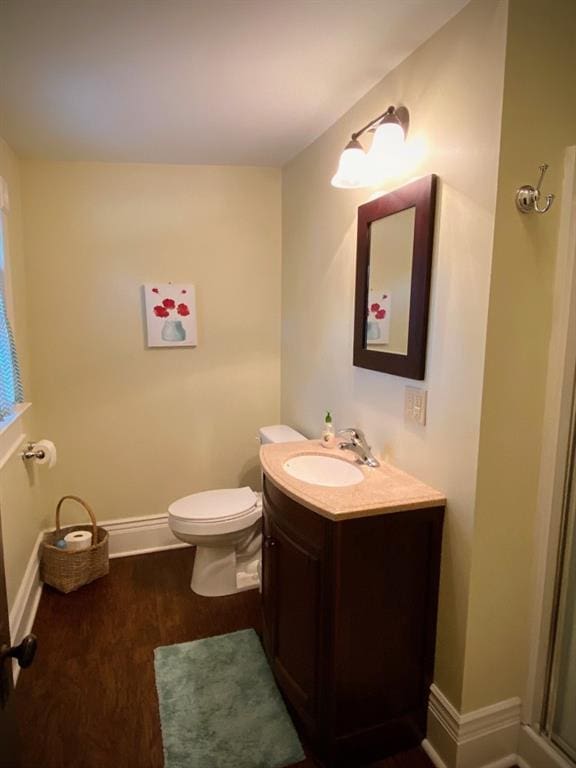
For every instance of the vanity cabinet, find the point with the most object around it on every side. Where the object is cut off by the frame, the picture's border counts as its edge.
(349, 624)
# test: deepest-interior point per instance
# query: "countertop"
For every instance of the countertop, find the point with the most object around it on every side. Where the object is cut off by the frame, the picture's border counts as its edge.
(385, 489)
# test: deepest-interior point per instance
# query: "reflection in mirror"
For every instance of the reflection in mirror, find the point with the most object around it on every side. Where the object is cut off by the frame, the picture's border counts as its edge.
(389, 282)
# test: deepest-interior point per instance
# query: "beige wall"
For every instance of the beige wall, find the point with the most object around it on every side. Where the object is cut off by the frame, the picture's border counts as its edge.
(539, 121)
(455, 131)
(137, 427)
(18, 511)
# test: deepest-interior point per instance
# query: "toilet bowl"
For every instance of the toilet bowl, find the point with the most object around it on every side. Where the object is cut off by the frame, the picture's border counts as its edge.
(226, 527)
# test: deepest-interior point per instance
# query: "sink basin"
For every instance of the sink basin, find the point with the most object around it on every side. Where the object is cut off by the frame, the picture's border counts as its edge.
(323, 470)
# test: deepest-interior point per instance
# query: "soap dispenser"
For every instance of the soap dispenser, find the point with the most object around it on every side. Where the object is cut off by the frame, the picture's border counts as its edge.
(328, 438)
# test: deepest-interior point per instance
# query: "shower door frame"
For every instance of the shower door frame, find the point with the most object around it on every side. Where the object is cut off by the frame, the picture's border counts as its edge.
(557, 436)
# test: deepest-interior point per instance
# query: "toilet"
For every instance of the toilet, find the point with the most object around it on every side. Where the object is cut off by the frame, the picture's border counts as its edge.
(226, 527)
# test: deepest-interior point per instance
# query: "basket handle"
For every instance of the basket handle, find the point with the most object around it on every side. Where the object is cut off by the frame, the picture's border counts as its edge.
(87, 508)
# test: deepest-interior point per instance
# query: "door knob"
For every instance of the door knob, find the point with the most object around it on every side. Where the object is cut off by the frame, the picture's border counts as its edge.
(23, 653)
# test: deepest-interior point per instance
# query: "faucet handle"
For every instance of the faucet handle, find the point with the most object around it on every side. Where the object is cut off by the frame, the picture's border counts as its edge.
(355, 434)
(349, 432)
(357, 443)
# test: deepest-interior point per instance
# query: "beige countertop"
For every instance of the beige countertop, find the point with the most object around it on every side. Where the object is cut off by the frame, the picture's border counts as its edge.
(385, 489)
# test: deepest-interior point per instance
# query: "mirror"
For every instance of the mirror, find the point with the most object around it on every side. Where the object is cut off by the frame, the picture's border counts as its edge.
(389, 283)
(394, 260)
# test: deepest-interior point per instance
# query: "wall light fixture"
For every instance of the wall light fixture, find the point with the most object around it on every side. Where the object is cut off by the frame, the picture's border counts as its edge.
(360, 169)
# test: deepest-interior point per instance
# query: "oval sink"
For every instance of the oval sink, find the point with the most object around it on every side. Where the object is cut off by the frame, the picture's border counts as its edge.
(323, 470)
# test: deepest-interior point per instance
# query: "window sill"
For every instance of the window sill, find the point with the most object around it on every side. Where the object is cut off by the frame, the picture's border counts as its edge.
(11, 433)
(17, 413)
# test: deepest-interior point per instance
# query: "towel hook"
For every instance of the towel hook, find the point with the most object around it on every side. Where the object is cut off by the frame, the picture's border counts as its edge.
(527, 196)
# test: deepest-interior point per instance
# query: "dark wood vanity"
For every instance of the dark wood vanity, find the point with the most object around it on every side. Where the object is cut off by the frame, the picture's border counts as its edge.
(350, 623)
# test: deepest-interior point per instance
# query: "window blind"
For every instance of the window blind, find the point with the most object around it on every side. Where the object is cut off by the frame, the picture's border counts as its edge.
(10, 382)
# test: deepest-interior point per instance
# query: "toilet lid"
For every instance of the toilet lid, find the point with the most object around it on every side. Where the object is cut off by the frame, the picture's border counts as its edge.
(214, 505)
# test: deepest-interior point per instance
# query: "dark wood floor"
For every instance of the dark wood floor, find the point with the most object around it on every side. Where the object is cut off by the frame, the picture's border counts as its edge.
(89, 700)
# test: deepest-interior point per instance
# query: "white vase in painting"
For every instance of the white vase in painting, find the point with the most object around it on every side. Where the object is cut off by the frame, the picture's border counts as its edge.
(372, 331)
(173, 330)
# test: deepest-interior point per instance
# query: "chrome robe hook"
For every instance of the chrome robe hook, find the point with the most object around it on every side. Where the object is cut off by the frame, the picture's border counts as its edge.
(527, 196)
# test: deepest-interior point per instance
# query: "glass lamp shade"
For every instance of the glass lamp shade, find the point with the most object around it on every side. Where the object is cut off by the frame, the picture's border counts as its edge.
(352, 168)
(388, 139)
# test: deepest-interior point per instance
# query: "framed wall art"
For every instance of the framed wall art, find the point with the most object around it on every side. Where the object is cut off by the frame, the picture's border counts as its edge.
(170, 314)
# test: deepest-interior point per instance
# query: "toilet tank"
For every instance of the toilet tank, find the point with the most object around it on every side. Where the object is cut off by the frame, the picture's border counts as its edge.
(279, 433)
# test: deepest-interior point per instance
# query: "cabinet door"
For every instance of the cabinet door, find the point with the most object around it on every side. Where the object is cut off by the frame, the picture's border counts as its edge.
(292, 607)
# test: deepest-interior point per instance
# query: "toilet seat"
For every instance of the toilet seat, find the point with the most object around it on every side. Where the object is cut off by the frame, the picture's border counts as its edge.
(221, 511)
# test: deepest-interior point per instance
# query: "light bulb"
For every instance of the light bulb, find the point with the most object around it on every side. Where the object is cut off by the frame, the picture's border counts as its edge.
(352, 168)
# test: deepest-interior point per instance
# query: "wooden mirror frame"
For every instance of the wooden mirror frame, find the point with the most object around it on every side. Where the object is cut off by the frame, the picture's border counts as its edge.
(421, 195)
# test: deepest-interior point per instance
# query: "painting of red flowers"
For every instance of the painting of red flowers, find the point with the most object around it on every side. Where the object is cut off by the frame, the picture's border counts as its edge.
(378, 323)
(170, 314)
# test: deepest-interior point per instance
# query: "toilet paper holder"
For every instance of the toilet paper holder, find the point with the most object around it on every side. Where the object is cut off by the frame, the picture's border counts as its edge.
(31, 452)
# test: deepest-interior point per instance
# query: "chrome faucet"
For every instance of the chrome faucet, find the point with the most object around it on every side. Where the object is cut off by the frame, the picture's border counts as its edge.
(358, 445)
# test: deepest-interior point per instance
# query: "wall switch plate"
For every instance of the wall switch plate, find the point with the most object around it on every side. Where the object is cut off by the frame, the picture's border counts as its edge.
(415, 405)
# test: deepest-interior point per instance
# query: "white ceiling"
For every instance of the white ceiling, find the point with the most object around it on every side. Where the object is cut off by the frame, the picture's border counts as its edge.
(247, 82)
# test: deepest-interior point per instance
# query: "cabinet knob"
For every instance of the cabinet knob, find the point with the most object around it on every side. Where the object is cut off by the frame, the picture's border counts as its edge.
(269, 542)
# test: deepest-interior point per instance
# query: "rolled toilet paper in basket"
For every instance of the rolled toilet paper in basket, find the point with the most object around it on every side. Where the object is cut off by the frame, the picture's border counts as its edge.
(77, 540)
(49, 450)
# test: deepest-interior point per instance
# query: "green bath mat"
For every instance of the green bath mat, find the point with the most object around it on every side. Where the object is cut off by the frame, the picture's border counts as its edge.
(219, 706)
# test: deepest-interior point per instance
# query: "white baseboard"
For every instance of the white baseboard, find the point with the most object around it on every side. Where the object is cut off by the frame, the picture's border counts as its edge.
(533, 750)
(139, 535)
(25, 605)
(433, 755)
(485, 738)
(130, 536)
(507, 762)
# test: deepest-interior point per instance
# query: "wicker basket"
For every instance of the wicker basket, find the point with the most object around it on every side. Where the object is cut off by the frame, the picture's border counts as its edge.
(67, 570)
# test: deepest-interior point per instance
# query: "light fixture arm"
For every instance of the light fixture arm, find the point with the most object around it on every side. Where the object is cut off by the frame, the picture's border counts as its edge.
(390, 111)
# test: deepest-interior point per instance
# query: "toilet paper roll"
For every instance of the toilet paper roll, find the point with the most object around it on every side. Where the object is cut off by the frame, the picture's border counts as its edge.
(77, 540)
(49, 449)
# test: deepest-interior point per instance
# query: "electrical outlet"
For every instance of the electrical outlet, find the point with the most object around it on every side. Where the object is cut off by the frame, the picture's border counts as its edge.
(415, 405)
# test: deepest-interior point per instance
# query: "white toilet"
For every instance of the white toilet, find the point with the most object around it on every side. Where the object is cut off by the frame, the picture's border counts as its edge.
(226, 527)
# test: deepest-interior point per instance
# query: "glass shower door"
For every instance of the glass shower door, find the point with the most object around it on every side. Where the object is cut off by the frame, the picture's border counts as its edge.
(560, 720)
